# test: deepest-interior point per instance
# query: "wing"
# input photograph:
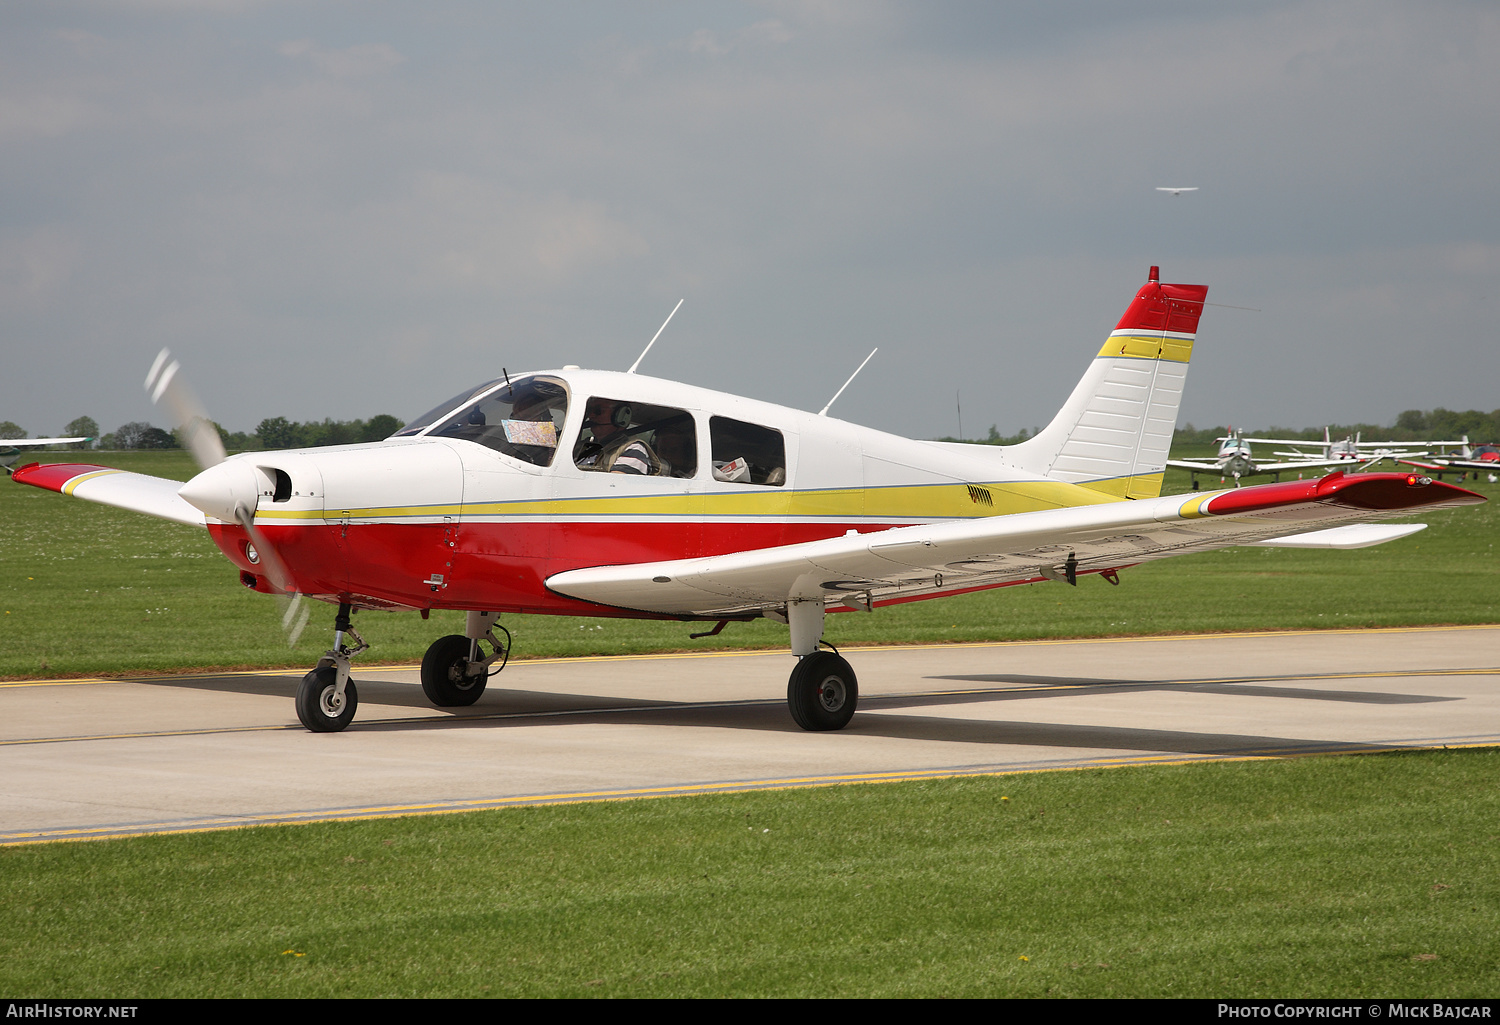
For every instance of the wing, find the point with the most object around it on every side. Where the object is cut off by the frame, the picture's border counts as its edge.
(1301, 464)
(1191, 464)
(154, 496)
(34, 442)
(930, 560)
(1454, 464)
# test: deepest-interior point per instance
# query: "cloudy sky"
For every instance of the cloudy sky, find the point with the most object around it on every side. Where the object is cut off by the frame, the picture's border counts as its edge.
(342, 209)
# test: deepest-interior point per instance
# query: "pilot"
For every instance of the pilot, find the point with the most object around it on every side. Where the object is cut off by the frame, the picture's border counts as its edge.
(610, 448)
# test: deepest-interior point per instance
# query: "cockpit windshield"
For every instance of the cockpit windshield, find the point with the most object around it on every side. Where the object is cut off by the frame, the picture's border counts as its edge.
(522, 418)
(418, 424)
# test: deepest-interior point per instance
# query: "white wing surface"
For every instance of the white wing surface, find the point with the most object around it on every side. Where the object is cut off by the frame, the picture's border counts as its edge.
(154, 496)
(929, 560)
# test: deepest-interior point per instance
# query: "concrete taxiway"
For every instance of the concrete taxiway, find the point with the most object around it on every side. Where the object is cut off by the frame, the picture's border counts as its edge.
(97, 758)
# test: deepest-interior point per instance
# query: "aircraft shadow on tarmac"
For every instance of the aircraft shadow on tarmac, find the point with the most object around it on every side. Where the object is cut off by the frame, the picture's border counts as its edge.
(529, 710)
(511, 709)
(1251, 686)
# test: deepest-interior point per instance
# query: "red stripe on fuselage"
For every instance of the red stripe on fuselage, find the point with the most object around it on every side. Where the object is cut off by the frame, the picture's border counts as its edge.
(500, 567)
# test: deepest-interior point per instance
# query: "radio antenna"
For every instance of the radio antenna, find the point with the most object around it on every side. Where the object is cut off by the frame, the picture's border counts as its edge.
(824, 410)
(655, 337)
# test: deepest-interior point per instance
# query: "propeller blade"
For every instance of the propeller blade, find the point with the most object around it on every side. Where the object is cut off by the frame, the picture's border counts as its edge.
(199, 435)
(294, 611)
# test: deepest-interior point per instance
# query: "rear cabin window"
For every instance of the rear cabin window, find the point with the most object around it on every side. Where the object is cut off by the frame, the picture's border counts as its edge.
(521, 419)
(746, 453)
(620, 436)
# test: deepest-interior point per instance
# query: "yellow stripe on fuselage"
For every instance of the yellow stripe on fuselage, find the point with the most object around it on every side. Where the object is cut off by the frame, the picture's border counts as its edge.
(1142, 485)
(917, 502)
(1147, 346)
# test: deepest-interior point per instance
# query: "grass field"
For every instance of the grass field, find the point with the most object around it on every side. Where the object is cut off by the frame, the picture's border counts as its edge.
(88, 589)
(1359, 876)
(1353, 876)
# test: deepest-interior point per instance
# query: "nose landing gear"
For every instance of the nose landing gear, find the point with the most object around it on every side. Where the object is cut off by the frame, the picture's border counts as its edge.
(326, 697)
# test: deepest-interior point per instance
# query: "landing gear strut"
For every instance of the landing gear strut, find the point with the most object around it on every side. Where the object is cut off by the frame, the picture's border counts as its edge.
(455, 668)
(326, 697)
(823, 691)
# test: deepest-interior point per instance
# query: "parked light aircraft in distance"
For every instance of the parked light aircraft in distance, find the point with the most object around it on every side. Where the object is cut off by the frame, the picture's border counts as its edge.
(1468, 458)
(593, 493)
(10, 448)
(1350, 449)
(1234, 459)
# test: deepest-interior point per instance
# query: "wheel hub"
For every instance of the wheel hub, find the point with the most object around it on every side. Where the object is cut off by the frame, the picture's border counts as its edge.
(831, 694)
(331, 702)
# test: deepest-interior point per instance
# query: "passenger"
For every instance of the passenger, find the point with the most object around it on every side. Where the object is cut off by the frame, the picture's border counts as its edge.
(610, 448)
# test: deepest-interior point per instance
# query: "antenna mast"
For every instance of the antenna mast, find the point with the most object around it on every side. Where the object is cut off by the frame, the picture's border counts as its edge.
(824, 410)
(655, 337)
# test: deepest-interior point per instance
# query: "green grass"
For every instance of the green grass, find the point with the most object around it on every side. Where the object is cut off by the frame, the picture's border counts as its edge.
(1317, 877)
(89, 589)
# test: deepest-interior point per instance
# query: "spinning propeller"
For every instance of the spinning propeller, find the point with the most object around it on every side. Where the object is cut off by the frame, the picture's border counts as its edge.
(228, 491)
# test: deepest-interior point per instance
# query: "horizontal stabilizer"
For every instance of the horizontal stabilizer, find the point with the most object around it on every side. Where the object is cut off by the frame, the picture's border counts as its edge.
(1355, 535)
(154, 496)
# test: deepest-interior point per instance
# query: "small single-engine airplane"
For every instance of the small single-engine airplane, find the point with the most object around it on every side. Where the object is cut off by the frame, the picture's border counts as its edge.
(1352, 448)
(1467, 459)
(1235, 459)
(10, 448)
(583, 492)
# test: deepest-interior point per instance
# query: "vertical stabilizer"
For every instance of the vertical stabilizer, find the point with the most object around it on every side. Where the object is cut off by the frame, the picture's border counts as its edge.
(1113, 433)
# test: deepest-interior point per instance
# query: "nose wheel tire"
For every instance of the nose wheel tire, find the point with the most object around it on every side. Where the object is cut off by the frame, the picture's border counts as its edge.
(445, 677)
(318, 707)
(822, 692)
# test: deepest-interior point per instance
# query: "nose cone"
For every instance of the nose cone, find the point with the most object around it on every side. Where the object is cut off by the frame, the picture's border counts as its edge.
(221, 490)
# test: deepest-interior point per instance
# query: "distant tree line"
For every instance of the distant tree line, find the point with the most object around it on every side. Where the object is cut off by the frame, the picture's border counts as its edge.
(1412, 426)
(277, 432)
(273, 433)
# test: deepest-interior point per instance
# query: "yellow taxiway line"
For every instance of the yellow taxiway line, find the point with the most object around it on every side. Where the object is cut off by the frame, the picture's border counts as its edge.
(686, 790)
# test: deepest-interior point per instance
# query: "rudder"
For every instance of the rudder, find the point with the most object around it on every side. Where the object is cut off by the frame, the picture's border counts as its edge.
(1114, 432)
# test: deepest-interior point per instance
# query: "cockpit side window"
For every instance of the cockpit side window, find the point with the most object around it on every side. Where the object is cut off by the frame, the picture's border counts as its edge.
(620, 436)
(745, 453)
(522, 419)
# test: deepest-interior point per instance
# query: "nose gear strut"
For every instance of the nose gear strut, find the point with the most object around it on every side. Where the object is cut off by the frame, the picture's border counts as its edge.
(327, 697)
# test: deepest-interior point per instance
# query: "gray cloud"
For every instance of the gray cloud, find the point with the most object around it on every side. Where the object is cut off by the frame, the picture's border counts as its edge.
(343, 210)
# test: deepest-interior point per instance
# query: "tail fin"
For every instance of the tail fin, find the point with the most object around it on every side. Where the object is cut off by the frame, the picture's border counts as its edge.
(1113, 433)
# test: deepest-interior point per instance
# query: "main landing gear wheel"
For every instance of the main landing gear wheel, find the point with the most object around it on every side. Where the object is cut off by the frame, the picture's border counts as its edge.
(318, 707)
(822, 692)
(446, 679)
